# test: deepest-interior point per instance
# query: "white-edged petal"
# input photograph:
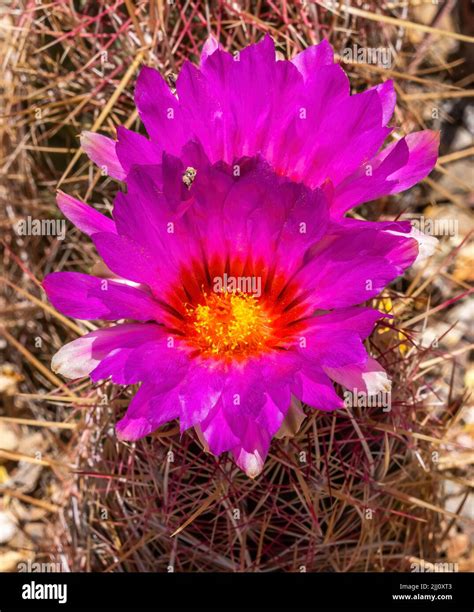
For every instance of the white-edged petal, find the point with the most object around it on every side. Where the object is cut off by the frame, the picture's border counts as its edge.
(74, 360)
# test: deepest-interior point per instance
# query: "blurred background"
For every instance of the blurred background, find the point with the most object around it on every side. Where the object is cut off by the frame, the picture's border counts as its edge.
(358, 490)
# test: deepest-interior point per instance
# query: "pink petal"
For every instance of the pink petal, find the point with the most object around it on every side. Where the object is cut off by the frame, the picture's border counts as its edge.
(423, 154)
(159, 110)
(82, 356)
(370, 377)
(87, 297)
(388, 98)
(84, 217)
(209, 47)
(314, 57)
(101, 150)
(146, 412)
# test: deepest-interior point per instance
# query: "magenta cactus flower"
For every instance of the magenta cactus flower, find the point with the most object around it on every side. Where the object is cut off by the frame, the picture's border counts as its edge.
(299, 115)
(233, 293)
(236, 283)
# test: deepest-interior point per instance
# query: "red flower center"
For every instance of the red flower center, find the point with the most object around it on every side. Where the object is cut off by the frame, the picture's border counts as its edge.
(232, 317)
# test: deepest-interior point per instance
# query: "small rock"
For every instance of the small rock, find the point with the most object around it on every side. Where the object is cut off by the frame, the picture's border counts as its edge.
(9, 379)
(8, 437)
(32, 444)
(8, 527)
(9, 561)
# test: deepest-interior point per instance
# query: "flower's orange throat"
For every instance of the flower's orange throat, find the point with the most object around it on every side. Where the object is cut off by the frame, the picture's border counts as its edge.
(230, 326)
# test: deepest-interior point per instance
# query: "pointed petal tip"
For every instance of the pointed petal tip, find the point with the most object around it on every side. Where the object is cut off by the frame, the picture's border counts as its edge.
(85, 136)
(101, 150)
(92, 141)
(426, 245)
(146, 71)
(130, 430)
(83, 216)
(250, 463)
(377, 381)
(60, 195)
(66, 364)
(325, 44)
(427, 138)
(209, 47)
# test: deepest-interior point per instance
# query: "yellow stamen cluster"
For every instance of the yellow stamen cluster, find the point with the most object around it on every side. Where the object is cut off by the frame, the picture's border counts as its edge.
(231, 324)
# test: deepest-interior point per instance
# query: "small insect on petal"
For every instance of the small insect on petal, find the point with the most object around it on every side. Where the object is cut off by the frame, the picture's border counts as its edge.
(189, 176)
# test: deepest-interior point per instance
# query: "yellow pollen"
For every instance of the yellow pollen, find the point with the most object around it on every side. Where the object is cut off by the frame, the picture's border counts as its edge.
(231, 324)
